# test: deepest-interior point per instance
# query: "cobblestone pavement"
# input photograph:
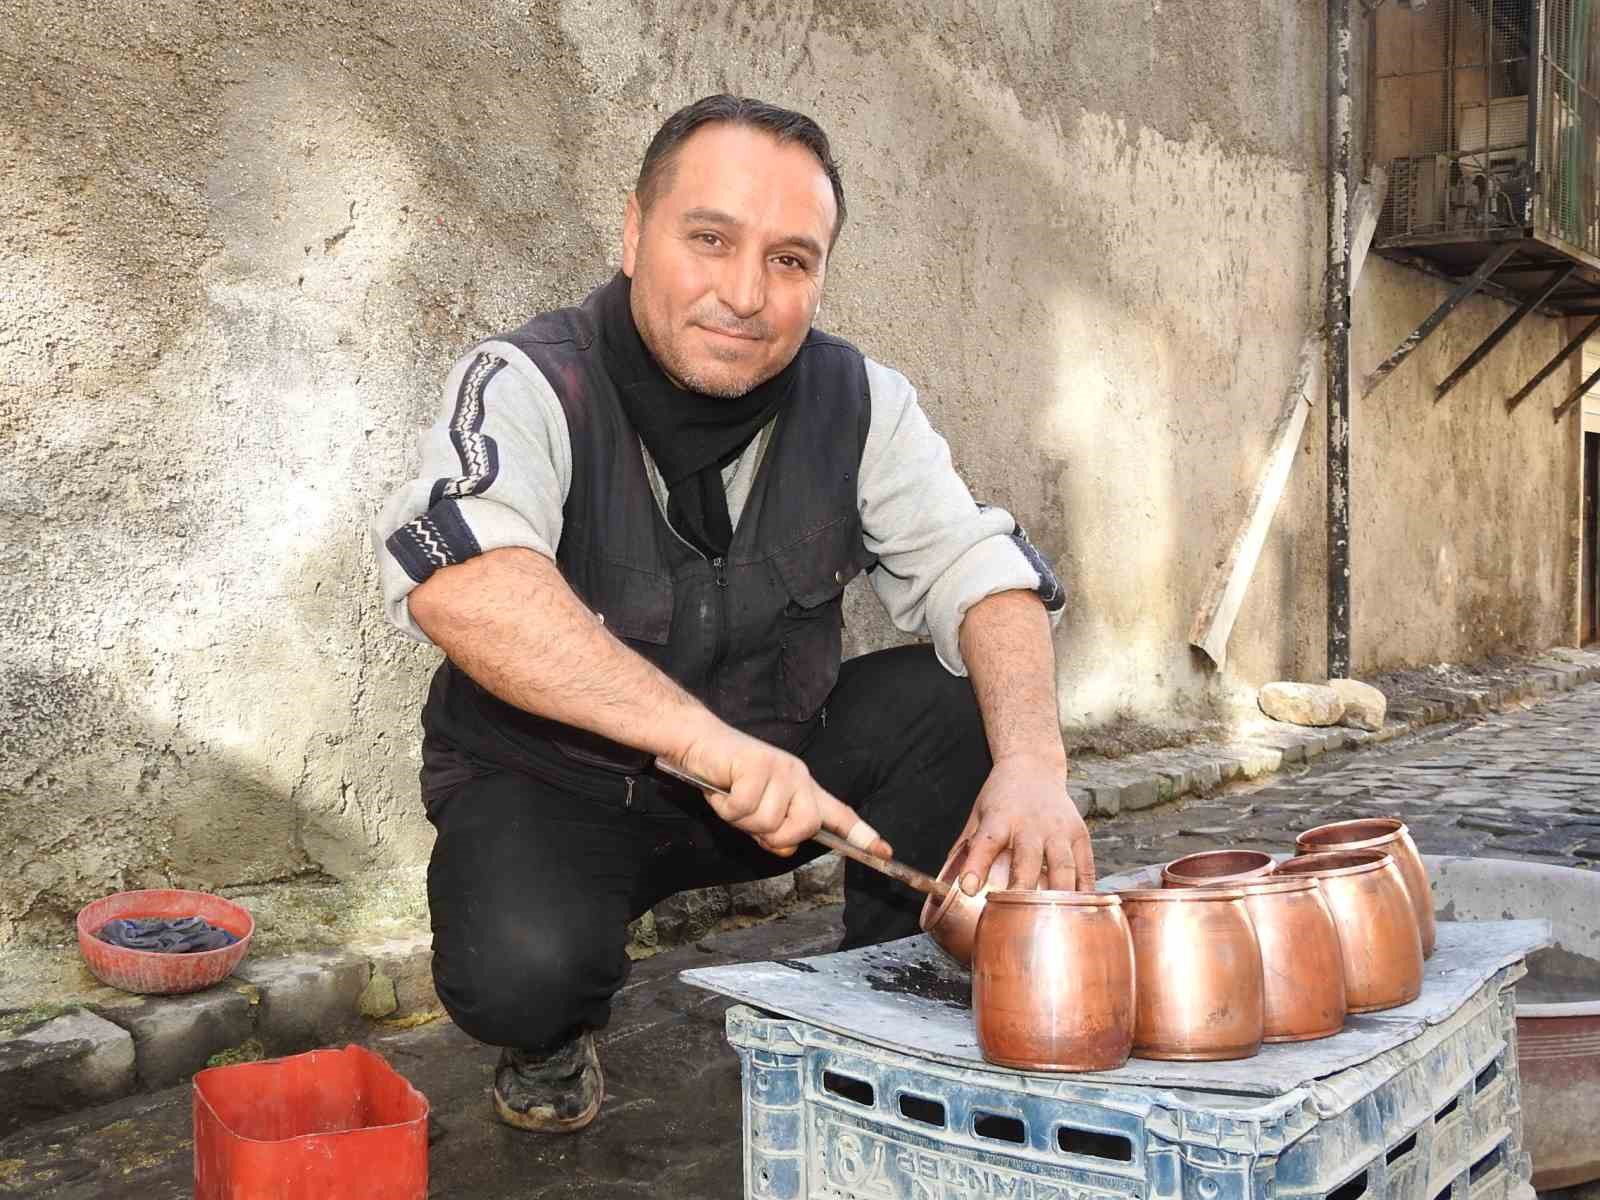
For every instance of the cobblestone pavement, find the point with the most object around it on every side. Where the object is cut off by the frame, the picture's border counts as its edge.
(1522, 784)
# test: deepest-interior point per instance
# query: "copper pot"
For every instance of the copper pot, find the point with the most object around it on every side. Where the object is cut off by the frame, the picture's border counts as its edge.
(1392, 837)
(1378, 937)
(953, 922)
(1302, 969)
(1053, 981)
(1198, 967)
(1211, 868)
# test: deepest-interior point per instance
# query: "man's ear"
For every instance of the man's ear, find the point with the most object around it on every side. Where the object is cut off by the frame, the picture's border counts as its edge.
(632, 218)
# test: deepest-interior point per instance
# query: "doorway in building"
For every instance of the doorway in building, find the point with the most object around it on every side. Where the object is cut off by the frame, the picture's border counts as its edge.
(1591, 531)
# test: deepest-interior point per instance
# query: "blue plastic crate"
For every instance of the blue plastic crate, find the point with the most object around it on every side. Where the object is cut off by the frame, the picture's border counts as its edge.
(1437, 1118)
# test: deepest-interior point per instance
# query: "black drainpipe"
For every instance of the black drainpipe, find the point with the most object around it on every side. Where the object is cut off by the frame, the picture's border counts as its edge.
(1338, 327)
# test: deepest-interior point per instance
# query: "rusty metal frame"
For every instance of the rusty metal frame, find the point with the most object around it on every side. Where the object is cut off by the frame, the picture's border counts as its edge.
(1534, 299)
(1423, 332)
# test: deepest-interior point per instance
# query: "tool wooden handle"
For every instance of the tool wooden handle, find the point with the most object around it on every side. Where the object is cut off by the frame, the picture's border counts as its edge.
(852, 847)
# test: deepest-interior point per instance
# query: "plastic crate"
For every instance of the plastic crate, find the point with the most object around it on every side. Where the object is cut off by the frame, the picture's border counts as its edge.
(1437, 1118)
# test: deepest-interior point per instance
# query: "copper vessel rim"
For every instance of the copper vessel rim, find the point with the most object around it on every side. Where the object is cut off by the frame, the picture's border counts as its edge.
(1188, 895)
(1313, 870)
(1371, 843)
(1067, 899)
(1273, 886)
(1176, 872)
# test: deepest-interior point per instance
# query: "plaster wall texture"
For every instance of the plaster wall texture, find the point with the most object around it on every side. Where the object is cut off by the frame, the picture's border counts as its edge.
(243, 243)
(1464, 517)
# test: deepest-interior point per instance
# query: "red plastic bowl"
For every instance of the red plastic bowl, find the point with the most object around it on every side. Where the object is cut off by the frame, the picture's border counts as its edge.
(149, 973)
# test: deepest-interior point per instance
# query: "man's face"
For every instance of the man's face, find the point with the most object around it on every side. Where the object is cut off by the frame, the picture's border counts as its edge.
(727, 265)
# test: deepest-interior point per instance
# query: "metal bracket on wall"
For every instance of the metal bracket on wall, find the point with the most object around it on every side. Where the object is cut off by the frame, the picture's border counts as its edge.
(1561, 409)
(1424, 331)
(1557, 278)
(1549, 368)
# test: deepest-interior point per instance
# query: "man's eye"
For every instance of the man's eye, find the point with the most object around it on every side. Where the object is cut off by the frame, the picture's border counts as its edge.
(790, 261)
(709, 239)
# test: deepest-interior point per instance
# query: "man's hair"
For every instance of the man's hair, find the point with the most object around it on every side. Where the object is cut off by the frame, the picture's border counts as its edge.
(782, 123)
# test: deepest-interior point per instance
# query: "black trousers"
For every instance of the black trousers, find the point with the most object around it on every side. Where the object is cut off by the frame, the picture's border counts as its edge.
(533, 882)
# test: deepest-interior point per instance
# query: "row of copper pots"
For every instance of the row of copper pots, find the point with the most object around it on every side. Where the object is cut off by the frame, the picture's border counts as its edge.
(1233, 952)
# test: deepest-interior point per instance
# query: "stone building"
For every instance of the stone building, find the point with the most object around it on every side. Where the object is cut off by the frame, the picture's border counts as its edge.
(240, 245)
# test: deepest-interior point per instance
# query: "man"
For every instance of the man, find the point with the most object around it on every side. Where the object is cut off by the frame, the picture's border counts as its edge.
(630, 536)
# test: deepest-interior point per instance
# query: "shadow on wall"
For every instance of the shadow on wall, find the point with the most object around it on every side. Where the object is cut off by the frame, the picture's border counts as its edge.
(128, 803)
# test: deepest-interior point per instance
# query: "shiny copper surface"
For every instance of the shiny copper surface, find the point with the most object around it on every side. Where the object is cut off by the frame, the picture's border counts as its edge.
(1198, 967)
(1302, 967)
(1392, 837)
(1211, 868)
(1053, 981)
(1378, 937)
(953, 921)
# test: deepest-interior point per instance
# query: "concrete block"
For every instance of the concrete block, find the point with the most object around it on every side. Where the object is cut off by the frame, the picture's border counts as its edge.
(821, 876)
(62, 1065)
(408, 963)
(174, 1035)
(762, 897)
(304, 1000)
(1141, 793)
(1105, 799)
(1251, 758)
(690, 915)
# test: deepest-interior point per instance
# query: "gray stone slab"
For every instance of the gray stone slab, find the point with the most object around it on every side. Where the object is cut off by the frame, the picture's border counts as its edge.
(762, 897)
(304, 1000)
(174, 1035)
(821, 876)
(61, 1065)
(864, 994)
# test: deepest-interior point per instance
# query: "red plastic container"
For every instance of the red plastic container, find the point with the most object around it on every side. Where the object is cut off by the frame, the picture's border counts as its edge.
(328, 1125)
(147, 972)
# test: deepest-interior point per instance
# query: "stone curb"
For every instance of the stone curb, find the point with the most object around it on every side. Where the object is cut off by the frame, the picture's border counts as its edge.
(270, 1006)
(1108, 787)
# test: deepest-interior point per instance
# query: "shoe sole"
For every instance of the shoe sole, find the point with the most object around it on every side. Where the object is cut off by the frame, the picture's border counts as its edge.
(533, 1124)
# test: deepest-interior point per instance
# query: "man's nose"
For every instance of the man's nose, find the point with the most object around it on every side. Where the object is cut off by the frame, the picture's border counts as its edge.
(744, 285)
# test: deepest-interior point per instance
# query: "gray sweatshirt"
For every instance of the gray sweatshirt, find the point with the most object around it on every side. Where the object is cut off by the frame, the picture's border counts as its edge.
(939, 551)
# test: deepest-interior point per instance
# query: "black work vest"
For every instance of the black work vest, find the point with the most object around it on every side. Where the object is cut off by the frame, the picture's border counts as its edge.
(755, 636)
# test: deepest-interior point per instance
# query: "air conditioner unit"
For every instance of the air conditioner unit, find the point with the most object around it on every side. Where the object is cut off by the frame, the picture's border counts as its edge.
(1418, 192)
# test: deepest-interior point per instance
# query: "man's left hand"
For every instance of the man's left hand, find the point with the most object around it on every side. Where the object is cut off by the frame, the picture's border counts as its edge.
(1024, 807)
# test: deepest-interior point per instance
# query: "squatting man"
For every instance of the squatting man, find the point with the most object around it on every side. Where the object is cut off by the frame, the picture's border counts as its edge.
(630, 534)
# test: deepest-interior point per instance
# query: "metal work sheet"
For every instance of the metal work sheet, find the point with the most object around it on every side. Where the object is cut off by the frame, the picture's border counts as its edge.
(910, 997)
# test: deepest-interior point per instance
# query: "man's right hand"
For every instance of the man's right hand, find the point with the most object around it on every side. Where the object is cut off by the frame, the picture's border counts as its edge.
(768, 793)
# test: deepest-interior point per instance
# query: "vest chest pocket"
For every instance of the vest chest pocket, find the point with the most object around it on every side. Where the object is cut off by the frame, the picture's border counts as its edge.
(635, 605)
(811, 626)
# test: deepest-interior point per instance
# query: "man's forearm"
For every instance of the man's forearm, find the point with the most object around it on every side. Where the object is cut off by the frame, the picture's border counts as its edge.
(1005, 640)
(509, 620)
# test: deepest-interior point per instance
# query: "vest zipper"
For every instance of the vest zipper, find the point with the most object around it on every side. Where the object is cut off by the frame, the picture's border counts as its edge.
(718, 573)
(627, 799)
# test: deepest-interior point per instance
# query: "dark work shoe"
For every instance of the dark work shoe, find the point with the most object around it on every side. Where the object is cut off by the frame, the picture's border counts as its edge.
(556, 1093)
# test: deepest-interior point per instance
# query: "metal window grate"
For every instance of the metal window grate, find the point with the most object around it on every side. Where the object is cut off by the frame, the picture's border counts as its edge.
(1486, 114)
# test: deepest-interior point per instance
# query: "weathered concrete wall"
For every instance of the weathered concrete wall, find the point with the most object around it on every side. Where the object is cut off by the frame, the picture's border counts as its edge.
(242, 243)
(1464, 517)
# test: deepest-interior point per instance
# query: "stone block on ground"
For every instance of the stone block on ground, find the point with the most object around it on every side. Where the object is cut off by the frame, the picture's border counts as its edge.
(304, 1000)
(61, 1065)
(1311, 704)
(821, 876)
(690, 915)
(408, 963)
(762, 897)
(174, 1035)
(1364, 705)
